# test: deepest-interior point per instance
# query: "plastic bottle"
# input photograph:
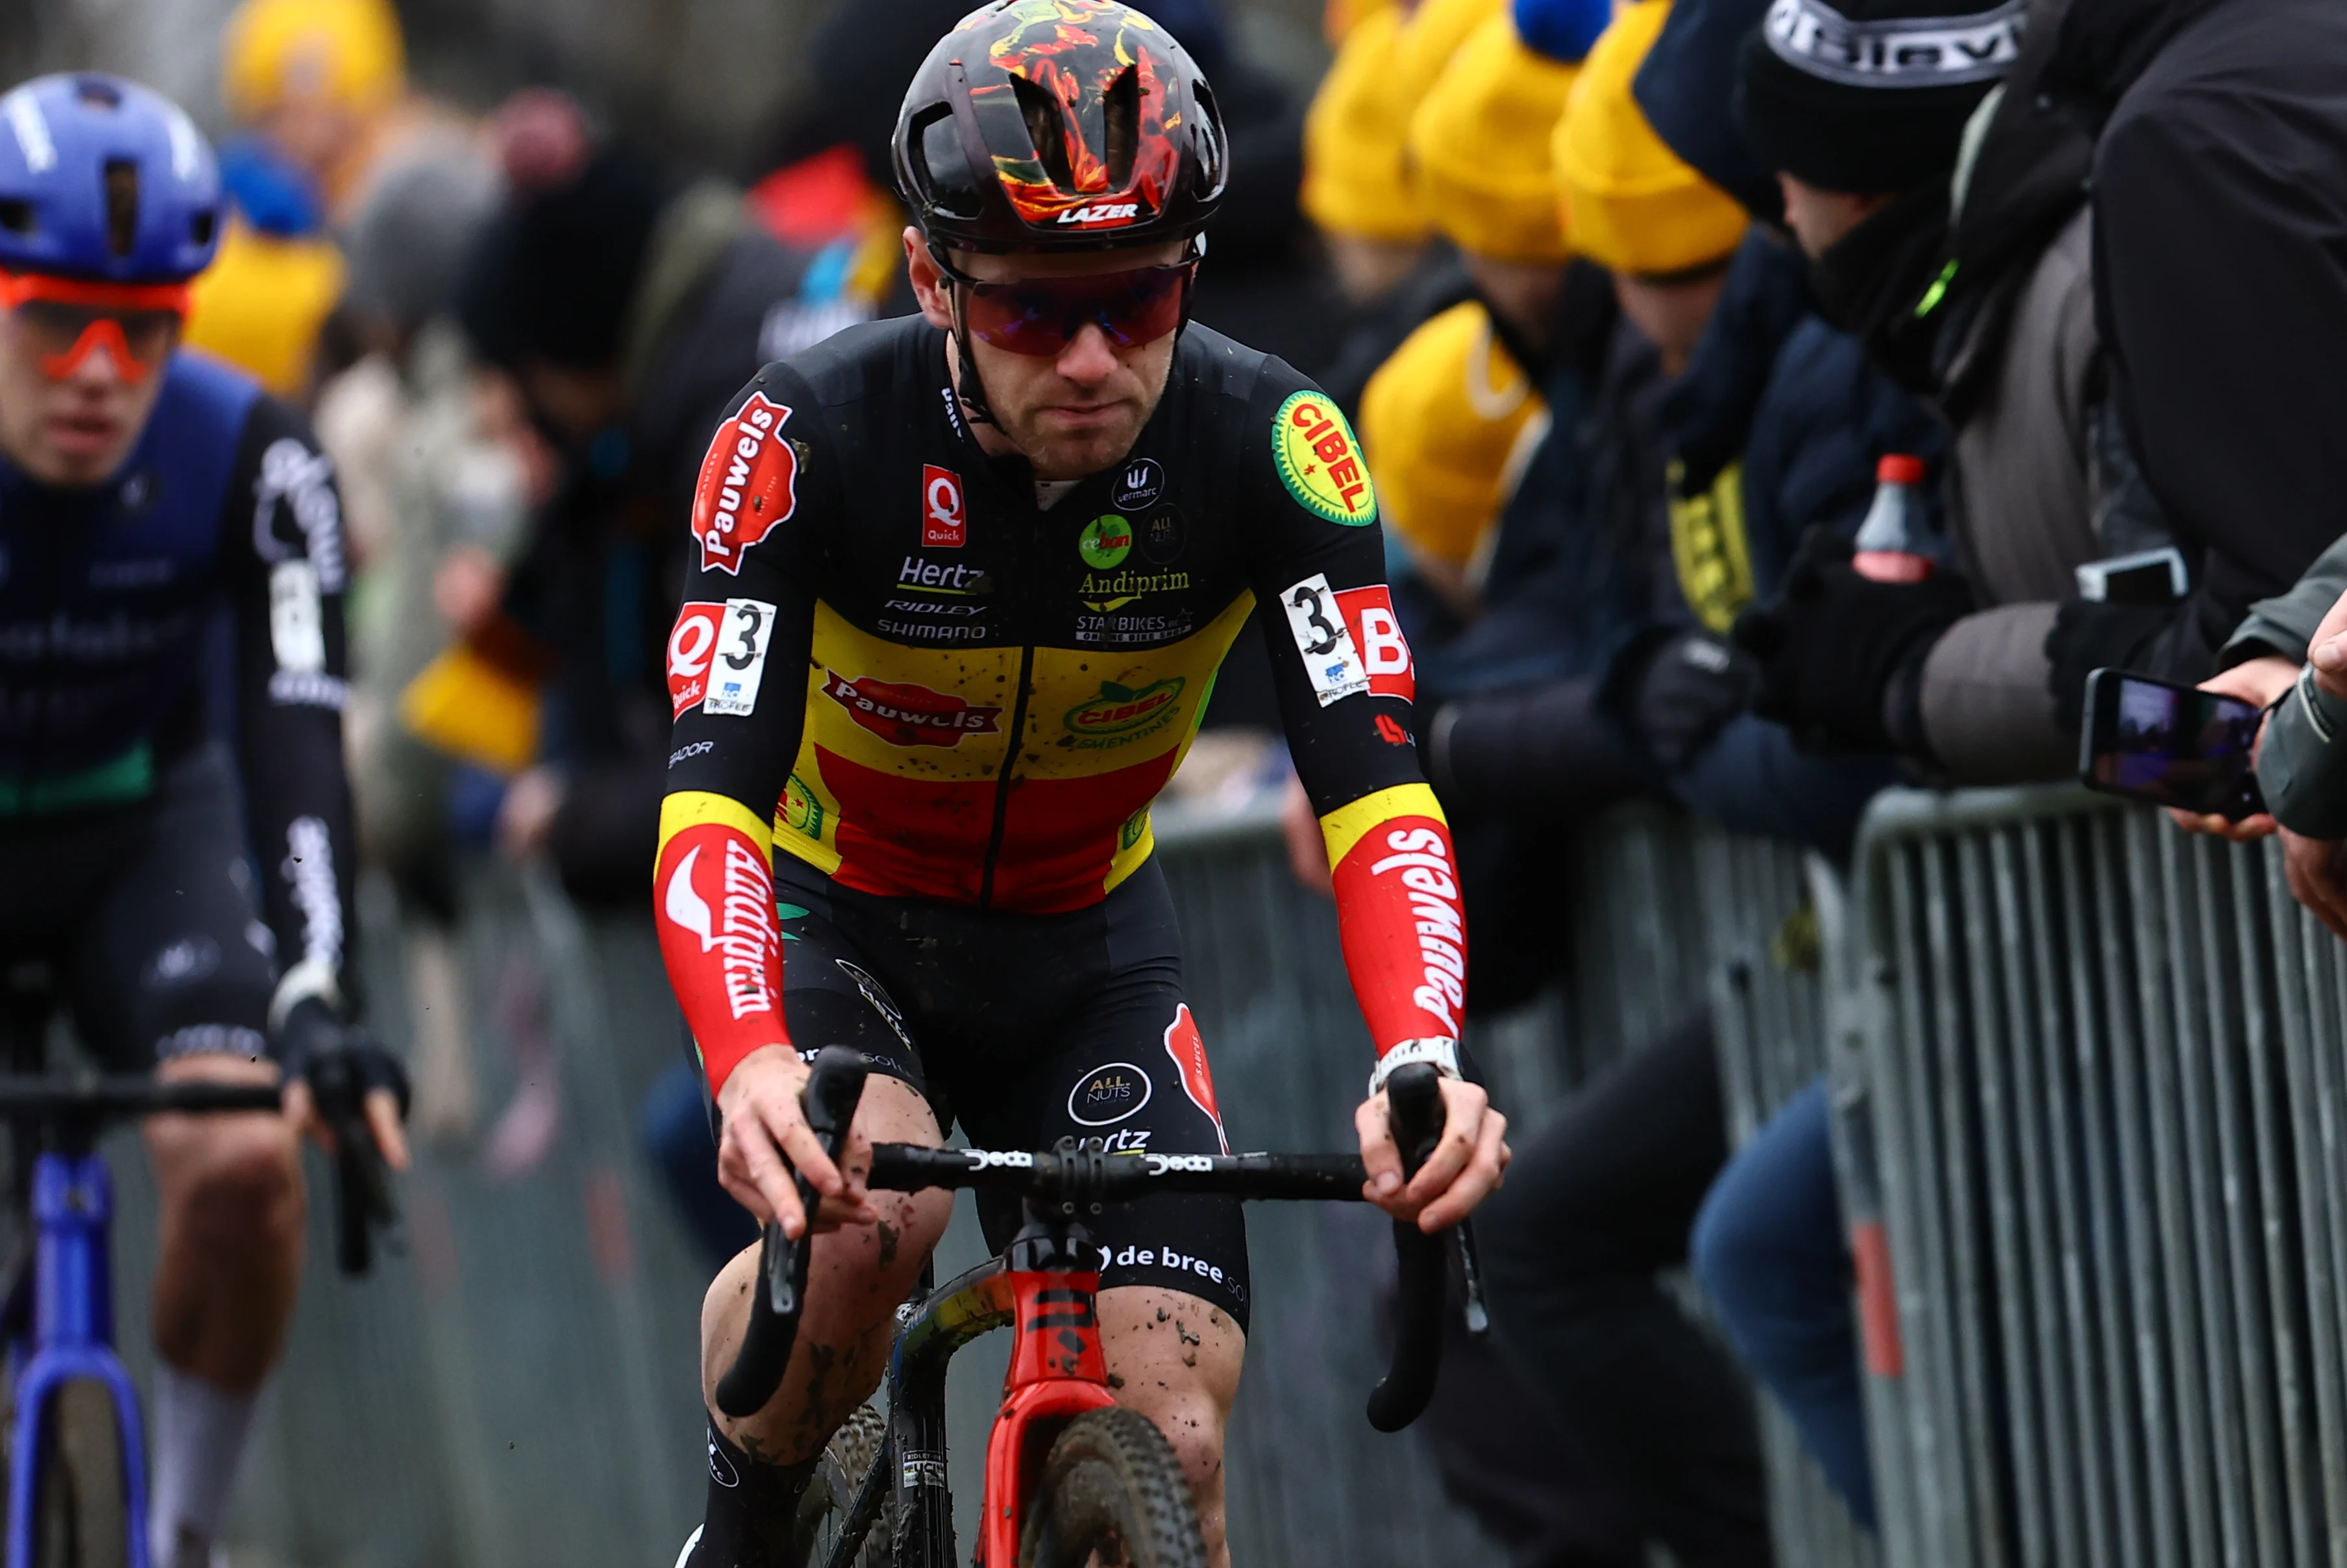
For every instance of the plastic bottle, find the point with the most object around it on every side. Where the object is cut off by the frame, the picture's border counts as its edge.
(1891, 542)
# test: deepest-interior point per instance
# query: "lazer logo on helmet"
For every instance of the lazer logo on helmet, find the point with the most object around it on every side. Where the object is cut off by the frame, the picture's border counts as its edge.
(748, 485)
(904, 715)
(1103, 214)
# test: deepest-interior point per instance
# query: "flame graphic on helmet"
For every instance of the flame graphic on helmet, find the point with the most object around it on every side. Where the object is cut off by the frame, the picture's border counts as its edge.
(1056, 47)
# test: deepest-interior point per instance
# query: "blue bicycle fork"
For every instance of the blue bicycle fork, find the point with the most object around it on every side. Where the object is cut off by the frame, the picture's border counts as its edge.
(73, 1337)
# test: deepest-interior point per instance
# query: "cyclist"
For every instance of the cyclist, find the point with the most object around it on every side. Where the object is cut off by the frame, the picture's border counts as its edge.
(148, 498)
(962, 583)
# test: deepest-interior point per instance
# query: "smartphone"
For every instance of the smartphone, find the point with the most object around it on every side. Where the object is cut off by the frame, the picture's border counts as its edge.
(2171, 745)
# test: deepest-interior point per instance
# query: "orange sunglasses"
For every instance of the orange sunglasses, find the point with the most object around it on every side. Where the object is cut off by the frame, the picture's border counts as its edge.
(68, 318)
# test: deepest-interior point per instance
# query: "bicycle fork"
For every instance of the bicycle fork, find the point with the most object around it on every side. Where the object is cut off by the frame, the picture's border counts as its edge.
(72, 1339)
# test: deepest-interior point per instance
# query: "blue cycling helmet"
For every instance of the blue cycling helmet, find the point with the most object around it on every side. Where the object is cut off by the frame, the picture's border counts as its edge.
(105, 179)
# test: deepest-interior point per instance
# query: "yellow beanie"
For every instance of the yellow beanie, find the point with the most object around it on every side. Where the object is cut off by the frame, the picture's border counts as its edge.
(347, 52)
(1429, 36)
(1447, 423)
(1631, 203)
(1352, 140)
(1339, 18)
(1478, 148)
(260, 305)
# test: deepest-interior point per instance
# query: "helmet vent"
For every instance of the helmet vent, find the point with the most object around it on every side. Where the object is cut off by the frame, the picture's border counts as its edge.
(16, 216)
(121, 205)
(940, 169)
(201, 226)
(1121, 127)
(1047, 127)
(98, 91)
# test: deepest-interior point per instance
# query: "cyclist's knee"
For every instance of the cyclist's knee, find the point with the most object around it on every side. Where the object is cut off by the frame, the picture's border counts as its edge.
(1175, 1359)
(232, 1179)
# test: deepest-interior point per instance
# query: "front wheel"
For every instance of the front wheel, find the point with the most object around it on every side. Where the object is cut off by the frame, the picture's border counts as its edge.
(81, 1511)
(1111, 1493)
(824, 1507)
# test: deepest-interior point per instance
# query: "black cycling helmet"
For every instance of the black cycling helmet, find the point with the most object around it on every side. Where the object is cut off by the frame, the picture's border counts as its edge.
(1058, 125)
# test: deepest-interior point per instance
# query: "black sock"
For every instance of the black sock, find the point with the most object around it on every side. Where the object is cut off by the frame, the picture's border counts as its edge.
(747, 1521)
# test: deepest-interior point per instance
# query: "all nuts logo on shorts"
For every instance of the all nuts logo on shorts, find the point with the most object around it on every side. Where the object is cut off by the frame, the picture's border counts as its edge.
(1107, 1094)
(904, 715)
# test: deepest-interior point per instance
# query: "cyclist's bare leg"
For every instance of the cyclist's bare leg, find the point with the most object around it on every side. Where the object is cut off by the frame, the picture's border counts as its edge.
(230, 1265)
(1176, 1359)
(856, 1279)
(232, 1206)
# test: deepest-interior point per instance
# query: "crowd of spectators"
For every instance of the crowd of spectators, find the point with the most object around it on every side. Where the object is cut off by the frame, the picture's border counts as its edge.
(1632, 302)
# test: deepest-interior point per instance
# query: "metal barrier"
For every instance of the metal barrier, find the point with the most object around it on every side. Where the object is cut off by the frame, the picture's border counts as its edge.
(515, 1385)
(2094, 1081)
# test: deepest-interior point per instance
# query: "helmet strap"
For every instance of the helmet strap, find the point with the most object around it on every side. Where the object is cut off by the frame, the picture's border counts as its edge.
(968, 388)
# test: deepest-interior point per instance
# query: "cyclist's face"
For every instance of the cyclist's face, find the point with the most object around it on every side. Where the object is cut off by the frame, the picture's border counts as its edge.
(70, 418)
(1077, 410)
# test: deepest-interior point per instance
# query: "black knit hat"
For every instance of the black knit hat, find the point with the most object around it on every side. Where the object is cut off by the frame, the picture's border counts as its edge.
(552, 277)
(1872, 96)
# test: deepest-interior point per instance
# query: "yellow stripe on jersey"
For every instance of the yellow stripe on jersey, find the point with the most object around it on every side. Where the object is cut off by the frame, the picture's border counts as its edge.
(1347, 824)
(691, 807)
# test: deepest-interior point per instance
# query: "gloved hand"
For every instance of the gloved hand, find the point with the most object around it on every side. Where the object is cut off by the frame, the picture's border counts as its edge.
(1686, 691)
(335, 1070)
(1832, 643)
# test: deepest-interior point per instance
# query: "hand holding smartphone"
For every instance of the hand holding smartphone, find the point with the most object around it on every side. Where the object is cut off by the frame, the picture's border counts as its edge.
(2170, 745)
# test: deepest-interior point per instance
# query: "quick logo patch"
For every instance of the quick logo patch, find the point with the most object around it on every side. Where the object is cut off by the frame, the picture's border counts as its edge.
(1320, 462)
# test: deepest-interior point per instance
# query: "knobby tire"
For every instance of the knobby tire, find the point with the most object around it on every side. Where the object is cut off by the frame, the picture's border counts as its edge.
(81, 1515)
(1111, 1493)
(824, 1507)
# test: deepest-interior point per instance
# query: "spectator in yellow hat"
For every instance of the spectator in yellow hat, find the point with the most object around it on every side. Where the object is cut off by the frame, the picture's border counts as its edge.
(1478, 158)
(1449, 421)
(1665, 232)
(320, 79)
(1353, 186)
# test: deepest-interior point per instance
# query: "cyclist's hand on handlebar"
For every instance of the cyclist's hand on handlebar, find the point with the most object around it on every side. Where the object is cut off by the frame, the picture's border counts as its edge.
(310, 1036)
(1466, 1166)
(766, 1138)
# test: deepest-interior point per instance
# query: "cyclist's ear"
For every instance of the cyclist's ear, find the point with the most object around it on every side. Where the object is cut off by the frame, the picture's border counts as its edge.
(929, 284)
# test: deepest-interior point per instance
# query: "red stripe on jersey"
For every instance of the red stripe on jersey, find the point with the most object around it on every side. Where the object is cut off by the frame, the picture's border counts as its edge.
(1404, 935)
(722, 945)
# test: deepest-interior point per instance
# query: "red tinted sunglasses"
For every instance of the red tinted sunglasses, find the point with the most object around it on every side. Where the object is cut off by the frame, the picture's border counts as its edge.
(1041, 316)
(67, 320)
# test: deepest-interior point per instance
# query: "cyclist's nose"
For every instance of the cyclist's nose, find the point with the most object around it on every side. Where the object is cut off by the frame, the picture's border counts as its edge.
(1088, 359)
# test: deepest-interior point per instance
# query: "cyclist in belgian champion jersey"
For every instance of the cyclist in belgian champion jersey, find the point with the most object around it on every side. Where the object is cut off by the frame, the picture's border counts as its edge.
(146, 496)
(963, 583)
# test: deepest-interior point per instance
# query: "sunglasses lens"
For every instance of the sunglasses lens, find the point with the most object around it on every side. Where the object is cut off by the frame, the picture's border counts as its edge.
(65, 335)
(1041, 316)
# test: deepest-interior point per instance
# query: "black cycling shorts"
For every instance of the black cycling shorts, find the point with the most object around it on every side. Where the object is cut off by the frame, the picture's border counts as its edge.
(142, 919)
(1030, 1028)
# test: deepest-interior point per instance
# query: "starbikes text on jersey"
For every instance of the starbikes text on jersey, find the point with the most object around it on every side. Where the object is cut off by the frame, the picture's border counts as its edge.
(748, 936)
(1423, 859)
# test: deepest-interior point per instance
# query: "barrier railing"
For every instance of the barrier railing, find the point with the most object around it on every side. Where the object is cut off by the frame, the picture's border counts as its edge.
(2096, 1065)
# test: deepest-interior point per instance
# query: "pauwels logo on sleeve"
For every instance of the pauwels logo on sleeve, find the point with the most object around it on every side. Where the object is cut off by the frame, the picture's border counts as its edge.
(1316, 618)
(748, 486)
(717, 656)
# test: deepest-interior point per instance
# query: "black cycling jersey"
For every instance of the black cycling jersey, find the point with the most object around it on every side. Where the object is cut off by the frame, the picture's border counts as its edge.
(224, 519)
(900, 668)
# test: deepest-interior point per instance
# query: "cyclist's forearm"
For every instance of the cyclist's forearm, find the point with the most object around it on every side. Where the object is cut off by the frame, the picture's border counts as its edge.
(1400, 913)
(713, 888)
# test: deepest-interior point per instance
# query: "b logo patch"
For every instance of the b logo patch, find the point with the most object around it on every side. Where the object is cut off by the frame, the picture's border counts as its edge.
(1320, 462)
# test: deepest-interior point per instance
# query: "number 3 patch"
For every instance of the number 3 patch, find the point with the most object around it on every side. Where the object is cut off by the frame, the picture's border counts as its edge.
(717, 655)
(1317, 622)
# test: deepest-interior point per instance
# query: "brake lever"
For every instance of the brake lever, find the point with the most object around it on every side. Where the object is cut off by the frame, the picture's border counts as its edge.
(362, 1195)
(828, 1102)
(1414, 1111)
